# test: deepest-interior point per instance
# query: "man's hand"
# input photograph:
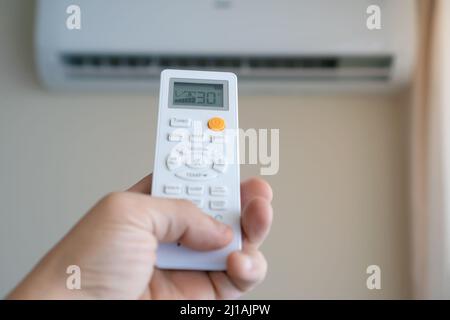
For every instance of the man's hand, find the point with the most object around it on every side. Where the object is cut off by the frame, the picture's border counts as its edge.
(115, 247)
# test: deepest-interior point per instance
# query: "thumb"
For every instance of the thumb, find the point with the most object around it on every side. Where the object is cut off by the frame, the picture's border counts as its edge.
(173, 220)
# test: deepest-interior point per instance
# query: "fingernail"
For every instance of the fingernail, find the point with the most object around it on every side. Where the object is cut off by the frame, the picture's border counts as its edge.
(224, 228)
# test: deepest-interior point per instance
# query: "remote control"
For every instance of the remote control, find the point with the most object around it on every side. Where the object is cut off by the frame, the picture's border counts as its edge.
(197, 157)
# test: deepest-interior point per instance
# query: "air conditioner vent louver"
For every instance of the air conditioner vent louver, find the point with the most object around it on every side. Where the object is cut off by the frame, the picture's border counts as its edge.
(298, 68)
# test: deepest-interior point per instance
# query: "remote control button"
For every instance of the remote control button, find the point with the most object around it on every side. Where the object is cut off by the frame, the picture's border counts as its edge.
(181, 149)
(172, 189)
(217, 139)
(216, 152)
(173, 162)
(196, 175)
(197, 138)
(218, 205)
(220, 165)
(218, 217)
(197, 148)
(175, 137)
(216, 124)
(197, 163)
(195, 155)
(220, 191)
(180, 122)
(195, 190)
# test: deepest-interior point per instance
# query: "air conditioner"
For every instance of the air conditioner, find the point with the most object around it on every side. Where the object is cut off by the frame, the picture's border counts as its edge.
(273, 46)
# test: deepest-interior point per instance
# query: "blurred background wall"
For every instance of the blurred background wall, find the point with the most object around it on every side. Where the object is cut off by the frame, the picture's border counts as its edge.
(340, 197)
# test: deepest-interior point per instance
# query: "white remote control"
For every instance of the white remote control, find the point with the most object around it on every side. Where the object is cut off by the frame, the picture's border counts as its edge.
(197, 157)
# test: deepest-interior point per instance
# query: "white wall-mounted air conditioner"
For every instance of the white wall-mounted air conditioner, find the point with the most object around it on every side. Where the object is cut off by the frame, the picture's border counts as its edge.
(273, 46)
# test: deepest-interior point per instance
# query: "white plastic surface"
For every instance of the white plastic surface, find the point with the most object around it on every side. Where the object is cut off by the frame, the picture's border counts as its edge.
(197, 177)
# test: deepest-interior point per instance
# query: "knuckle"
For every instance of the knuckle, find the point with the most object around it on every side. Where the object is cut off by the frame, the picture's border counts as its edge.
(116, 202)
(115, 198)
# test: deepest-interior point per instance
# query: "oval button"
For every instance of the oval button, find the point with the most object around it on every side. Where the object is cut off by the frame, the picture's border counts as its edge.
(196, 163)
(196, 175)
(216, 124)
(173, 162)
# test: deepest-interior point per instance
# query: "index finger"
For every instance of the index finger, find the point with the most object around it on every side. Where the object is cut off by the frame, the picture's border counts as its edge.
(257, 213)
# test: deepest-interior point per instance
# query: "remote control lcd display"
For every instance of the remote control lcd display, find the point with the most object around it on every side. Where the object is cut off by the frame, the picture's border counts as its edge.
(207, 95)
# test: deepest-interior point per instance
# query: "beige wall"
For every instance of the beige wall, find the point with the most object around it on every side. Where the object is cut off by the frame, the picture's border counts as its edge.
(340, 195)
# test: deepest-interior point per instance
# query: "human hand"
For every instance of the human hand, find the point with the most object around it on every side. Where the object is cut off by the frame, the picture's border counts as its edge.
(115, 243)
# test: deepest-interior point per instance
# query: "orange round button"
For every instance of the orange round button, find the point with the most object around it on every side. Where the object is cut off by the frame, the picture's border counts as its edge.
(216, 124)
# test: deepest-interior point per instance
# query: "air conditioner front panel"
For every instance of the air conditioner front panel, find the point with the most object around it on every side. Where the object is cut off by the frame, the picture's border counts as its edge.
(246, 31)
